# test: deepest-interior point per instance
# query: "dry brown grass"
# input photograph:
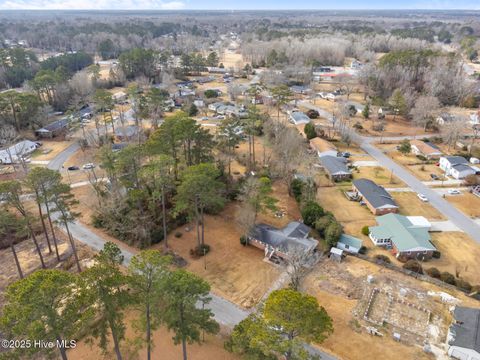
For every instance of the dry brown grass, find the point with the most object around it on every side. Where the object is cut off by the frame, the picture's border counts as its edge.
(380, 175)
(164, 348)
(397, 127)
(467, 203)
(411, 205)
(459, 253)
(54, 148)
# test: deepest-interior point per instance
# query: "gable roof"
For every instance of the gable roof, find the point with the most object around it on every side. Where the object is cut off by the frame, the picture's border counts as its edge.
(56, 125)
(299, 117)
(463, 167)
(350, 241)
(295, 234)
(455, 160)
(403, 234)
(322, 145)
(426, 147)
(466, 328)
(335, 165)
(375, 194)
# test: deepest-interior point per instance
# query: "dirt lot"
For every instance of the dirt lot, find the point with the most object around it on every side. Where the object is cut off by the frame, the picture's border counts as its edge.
(49, 150)
(164, 348)
(467, 203)
(351, 214)
(397, 127)
(411, 205)
(459, 254)
(341, 289)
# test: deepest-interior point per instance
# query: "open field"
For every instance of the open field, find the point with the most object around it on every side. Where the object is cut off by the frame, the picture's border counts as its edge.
(459, 254)
(164, 348)
(397, 127)
(411, 205)
(467, 203)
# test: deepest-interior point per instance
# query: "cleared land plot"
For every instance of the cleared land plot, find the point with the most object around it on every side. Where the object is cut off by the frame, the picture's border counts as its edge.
(459, 253)
(397, 127)
(467, 203)
(411, 205)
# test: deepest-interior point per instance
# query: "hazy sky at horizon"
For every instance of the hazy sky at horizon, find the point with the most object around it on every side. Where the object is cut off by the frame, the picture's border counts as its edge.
(240, 5)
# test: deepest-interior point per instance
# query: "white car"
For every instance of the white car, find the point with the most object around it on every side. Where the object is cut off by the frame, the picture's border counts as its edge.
(205, 118)
(220, 117)
(422, 197)
(88, 166)
(454, 192)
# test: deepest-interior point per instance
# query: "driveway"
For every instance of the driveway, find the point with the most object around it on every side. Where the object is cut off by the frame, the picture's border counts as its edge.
(57, 162)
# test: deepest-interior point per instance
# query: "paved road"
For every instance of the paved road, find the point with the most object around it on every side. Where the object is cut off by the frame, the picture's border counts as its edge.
(57, 162)
(459, 219)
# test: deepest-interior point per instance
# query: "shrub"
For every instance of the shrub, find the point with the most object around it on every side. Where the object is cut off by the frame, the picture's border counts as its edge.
(322, 223)
(243, 240)
(436, 254)
(309, 131)
(448, 278)
(311, 212)
(333, 233)
(357, 126)
(464, 285)
(382, 259)
(433, 272)
(365, 230)
(363, 250)
(296, 186)
(200, 250)
(413, 265)
(178, 234)
(209, 94)
(421, 157)
(313, 114)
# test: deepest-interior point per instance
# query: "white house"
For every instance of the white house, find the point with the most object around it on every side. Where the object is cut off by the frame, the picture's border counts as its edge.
(456, 166)
(15, 152)
(349, 244)
(298, 117)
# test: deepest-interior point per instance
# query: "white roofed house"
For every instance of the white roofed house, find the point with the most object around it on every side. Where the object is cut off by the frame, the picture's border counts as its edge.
(17, 152)
(456, 167)
(298, 117)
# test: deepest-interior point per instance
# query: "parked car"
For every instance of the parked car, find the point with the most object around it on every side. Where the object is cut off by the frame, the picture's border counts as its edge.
(346, 154)
(220, 117)
(422, 197)
(454, 192)
(205, 118)
(434, 177)
(88, 166)
(73, 168)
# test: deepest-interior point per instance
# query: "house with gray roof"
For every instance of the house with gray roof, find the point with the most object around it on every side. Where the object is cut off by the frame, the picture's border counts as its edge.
(464, 334)
(456, 166)
(279, 242)
(336, 167)
(406, 239)
(377, 199)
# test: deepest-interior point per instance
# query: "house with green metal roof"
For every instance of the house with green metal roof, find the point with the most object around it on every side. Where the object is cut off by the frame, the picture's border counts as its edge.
(406, 239)
(349, 243)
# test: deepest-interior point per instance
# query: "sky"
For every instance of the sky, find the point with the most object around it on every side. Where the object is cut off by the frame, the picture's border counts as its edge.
(238, 4)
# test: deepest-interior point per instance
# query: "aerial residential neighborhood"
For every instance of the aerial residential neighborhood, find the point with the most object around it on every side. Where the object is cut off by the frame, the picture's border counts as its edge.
(186, 181)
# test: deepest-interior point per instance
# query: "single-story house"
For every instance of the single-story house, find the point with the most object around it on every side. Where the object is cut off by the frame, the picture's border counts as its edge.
(426, 149)
(456, 166)
(377, 199)
(126, 133)
(16, 152)
(53, 129)
(298, 117)
(336, 167)
(323, 147)
(349, 244)
(406, 239)
(279, 242)
(298, 89)
(463, 336)
(445, 118)
(215, 106)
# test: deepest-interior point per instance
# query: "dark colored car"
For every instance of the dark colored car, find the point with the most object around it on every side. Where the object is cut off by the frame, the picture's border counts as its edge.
(313, 114)
(434, 177)
(73, 168)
